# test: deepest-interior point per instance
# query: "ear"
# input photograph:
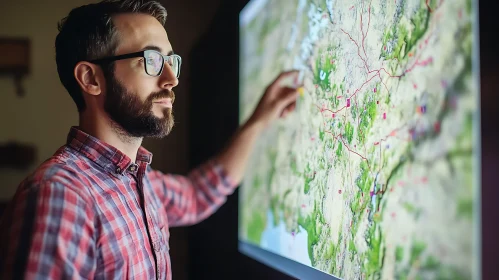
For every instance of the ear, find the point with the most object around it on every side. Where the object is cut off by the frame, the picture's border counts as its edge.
(90, 77)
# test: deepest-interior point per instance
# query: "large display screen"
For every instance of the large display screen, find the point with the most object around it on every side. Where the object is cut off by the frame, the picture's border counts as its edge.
(376, 173)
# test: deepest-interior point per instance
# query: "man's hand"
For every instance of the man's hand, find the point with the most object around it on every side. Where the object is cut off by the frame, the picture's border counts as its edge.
(277, 101)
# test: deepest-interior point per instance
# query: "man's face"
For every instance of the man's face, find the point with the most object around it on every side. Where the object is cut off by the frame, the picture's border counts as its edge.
(140, 104)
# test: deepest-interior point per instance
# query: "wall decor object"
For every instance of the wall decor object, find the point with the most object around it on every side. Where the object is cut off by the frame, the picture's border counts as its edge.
(15, 60)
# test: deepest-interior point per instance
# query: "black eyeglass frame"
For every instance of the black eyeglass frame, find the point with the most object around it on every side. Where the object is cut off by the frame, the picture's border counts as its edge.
(141, 54)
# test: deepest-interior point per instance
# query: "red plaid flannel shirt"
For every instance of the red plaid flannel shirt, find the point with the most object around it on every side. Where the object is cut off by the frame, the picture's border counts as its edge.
(88, 212)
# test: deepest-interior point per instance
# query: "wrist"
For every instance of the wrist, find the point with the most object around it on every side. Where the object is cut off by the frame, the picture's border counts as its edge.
(254, 124)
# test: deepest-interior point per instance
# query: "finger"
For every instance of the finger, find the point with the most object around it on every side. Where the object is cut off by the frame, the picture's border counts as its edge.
(284, 113)
(289, 109)
(289, 95)
(291, 106)
(283, 76)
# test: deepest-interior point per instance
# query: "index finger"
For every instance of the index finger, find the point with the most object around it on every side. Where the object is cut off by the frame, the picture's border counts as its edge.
(283, 76)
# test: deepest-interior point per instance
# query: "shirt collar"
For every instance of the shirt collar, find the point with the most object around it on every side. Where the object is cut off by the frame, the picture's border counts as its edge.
(105, 155)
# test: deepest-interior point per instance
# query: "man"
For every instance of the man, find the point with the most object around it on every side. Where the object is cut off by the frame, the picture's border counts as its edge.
(96, 209)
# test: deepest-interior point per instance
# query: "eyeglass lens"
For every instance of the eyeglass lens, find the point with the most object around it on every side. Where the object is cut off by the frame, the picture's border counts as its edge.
(155, 62)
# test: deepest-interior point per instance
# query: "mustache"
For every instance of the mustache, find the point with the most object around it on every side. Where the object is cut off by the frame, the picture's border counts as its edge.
(162, 94)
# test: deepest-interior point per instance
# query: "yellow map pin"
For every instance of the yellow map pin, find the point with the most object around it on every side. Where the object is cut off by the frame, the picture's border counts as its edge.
(301, 91)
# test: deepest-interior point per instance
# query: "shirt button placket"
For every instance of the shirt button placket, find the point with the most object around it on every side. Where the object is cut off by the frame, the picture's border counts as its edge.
(158, 269)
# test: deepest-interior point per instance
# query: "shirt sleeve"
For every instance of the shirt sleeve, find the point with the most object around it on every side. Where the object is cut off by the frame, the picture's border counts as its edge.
(191, 199)
(48, 233)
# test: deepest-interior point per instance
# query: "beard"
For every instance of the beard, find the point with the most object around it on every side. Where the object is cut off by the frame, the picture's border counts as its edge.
(135, 117)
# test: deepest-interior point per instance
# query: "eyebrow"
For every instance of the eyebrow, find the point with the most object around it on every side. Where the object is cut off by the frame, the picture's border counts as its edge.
(156, 48)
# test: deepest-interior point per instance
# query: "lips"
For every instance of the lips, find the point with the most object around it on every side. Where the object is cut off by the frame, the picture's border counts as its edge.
(167, 102)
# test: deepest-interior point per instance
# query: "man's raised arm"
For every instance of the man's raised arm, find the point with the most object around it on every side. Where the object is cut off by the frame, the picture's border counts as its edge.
(189, 200)
(277, 101)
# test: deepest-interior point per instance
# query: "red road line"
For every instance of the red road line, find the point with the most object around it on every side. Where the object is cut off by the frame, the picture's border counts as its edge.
(378, 74)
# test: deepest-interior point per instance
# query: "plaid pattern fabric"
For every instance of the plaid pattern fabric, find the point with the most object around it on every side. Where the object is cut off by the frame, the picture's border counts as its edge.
(89, 212)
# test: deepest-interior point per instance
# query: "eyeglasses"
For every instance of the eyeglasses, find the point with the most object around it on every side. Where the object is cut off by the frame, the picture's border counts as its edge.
(154, 61)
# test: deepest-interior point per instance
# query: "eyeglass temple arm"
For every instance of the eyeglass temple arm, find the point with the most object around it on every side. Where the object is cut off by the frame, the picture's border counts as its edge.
(118, 57)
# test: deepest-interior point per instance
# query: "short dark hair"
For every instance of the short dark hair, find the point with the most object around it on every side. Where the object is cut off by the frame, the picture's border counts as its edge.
(88, 33)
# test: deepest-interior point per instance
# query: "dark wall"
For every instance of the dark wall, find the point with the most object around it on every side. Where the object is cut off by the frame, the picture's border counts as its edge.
(213, 118)
(187, 21)
(489, 47)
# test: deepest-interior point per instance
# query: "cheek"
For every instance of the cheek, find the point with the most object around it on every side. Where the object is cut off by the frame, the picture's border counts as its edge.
(136, 83)
(141, 93)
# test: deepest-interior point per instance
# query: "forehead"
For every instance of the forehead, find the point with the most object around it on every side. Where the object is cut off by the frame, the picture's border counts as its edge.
(137, 31)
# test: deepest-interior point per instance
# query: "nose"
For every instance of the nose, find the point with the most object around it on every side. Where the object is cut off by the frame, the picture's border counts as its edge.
(168, 79)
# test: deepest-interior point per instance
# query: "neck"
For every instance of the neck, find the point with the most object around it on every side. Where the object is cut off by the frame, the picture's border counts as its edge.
(103, 128)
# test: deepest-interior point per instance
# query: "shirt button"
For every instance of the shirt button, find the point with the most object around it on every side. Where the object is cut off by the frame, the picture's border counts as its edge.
(132, 168)
(156, 246)
(118, 170)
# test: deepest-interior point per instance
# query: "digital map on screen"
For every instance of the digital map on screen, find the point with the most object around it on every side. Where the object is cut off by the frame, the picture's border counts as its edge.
(373, 175)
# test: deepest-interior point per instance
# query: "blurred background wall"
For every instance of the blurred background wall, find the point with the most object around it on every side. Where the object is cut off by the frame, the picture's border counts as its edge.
(43, 116)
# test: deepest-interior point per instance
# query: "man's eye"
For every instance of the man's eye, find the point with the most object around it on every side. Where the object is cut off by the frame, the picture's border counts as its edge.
(150, 61)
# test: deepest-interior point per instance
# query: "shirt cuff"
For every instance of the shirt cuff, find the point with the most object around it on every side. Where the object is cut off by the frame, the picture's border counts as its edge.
(224, 175)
